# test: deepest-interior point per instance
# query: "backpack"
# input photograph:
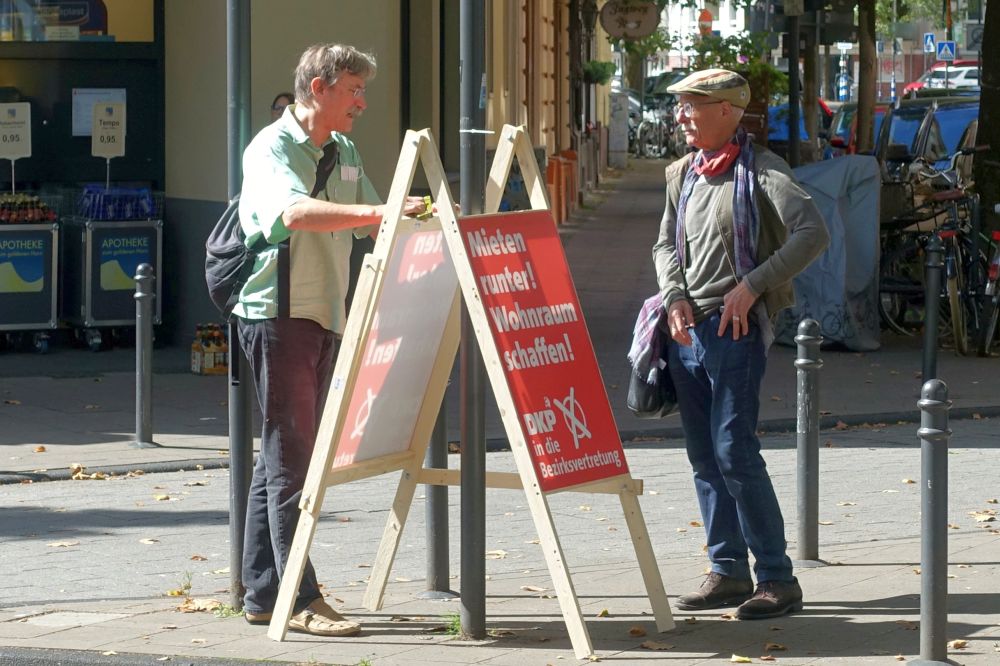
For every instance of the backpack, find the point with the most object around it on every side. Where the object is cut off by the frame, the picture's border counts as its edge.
(228, 260)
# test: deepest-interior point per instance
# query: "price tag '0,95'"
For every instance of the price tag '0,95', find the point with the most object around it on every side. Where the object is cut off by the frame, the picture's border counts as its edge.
(15, 130)
(108, 134)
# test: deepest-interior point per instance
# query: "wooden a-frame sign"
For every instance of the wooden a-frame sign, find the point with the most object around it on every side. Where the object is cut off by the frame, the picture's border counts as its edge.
(400, 345)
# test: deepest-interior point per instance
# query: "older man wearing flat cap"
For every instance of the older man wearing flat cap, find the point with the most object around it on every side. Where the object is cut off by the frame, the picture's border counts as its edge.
(736, 229)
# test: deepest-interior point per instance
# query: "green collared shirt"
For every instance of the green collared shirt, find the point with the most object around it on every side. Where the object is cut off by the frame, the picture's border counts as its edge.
(279, 169)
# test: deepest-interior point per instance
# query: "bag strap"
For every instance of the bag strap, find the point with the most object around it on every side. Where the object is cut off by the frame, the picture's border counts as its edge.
(325, 166)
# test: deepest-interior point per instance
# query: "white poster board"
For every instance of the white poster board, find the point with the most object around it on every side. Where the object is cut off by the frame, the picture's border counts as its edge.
(15, 130)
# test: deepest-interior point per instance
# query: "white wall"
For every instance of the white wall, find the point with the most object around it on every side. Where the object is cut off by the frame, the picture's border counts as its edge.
(195, 63)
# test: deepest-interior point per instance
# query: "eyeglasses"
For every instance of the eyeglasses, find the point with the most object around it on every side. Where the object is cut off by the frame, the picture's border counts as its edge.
(687, 108)
(357, 92)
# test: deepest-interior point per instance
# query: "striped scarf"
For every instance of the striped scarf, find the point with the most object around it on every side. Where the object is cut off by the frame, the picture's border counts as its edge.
(739, 154)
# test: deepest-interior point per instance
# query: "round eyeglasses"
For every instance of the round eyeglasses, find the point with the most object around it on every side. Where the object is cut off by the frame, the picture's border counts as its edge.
(687, 108)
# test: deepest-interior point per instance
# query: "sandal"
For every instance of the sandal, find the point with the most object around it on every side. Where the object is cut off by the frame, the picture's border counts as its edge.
(319, 619)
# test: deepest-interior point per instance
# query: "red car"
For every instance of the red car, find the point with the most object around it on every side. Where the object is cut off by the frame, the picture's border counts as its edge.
(936, 67)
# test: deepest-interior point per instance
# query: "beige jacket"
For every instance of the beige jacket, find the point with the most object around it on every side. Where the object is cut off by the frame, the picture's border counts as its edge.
(792, 232)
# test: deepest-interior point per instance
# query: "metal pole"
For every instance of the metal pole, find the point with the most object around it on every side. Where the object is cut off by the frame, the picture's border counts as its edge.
(436, 513)
(932, 298)
(473, 178)
(807, 365)
(240, 393)
(145, 294)
(793, 91)
(934, 434)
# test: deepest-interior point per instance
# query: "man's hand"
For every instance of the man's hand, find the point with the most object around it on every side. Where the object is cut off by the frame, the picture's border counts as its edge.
(735, 310)
(414, 206)
(680, 317)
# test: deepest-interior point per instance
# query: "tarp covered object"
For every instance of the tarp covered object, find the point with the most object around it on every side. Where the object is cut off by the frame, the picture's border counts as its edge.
(840, 288)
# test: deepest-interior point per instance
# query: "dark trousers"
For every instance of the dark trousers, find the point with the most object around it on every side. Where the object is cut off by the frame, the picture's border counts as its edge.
(718, 385)
(292, 363)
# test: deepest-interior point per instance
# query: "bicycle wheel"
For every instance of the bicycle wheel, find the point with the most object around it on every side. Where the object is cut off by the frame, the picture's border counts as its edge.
(901, 286)
(959, 315)
(987, 337)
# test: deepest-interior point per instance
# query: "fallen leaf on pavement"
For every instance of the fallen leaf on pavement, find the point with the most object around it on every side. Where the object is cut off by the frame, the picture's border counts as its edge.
(776, 398)
(840, 426)
(655, 645)
(197, 641)
(737, 659)
(908, 481)
(636, 632)
(847, 503)
(224, 570)
(657, 492)
(403, 579)
(727, 616)
(40, 449)
(695, 523)
(900, 657)
(604, 613)
(198, 558)
(958, 644)
(533, 588)
(496, 554)
(952, 526)
(399, 618)
(199, 605)
(168, 626)
(196, 483)
(149, 542)
(774, 647)
(500, 633)
(682, 529)
(109, 653)
(768, 657)
(826, 522)
(584, 507)
(64, 544)
(690, 620)
(992, 501)
(983, 516)
(161, 498)
(908, 625)
(533, 541)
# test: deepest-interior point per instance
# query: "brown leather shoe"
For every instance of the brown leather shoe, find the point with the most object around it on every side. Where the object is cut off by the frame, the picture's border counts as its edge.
(717, 590)
(257, 618)
(319, 619)
(773, 598)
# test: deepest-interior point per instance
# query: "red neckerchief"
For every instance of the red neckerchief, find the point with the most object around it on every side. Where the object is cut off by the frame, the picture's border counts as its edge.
(712, 163)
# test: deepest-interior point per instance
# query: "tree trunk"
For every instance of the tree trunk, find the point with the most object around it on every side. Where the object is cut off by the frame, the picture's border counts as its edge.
(866, 75)
(633, 71)
(987, 165)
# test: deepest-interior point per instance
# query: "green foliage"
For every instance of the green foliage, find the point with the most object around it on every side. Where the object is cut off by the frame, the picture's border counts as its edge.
(226, 611)
(745, 53)
(454, 623)
(598, 71)
(907, 11)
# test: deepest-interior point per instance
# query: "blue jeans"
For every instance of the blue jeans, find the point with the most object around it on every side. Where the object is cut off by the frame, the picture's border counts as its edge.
(292, 363)
(718, 385)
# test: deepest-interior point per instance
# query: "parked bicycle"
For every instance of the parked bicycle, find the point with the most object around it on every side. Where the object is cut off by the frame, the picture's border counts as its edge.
(989, 338)
(952, 214)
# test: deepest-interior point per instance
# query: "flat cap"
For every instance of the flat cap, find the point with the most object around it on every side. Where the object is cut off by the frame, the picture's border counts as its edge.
(718, 84)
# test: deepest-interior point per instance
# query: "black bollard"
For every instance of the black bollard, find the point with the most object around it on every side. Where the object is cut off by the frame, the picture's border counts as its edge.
(934, 434)
(436, 513)
(144, 297)
(807, 365)
(932, 299)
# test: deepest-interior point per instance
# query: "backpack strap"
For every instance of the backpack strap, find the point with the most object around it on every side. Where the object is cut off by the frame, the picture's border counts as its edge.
(325, 166)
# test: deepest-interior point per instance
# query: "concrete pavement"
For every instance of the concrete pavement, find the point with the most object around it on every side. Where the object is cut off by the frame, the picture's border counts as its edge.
(88, 564)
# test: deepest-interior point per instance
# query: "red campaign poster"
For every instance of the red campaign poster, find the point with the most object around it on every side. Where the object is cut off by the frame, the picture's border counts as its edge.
(398, 356)
(524, 283)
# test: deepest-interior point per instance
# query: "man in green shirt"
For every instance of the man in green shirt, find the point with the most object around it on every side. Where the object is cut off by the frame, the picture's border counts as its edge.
(292, 356)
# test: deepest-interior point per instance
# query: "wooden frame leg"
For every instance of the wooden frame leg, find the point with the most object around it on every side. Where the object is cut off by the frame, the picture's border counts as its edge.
(647, 561)
(375, 592)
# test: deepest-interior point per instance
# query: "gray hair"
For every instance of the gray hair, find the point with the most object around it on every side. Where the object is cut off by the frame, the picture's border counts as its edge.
(328, 62)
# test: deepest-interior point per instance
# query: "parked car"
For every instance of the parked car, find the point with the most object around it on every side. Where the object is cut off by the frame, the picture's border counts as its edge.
(896, 143)
(842, 137)
(937, 73)
(777, 126)
(943, 128)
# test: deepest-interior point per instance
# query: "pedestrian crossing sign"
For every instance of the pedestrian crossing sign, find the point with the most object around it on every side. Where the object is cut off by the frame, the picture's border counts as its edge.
(929, 46)
(946, 51)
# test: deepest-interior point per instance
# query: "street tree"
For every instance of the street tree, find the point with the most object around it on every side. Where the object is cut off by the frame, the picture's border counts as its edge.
(986, 166)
